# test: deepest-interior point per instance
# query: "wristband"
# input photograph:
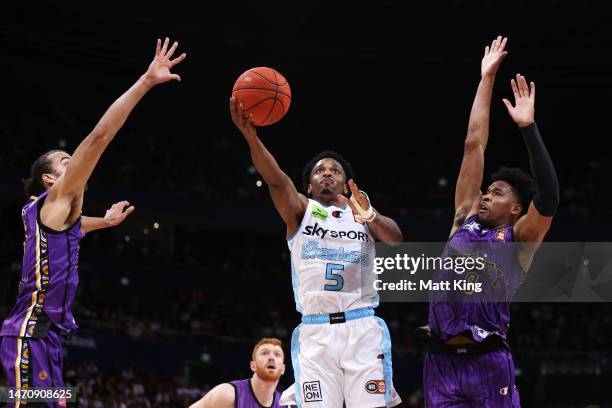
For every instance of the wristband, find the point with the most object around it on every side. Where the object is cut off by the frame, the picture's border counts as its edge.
(363, 215)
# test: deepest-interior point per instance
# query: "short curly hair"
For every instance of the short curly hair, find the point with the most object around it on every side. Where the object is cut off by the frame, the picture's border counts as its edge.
(522, 184)
(327, 154)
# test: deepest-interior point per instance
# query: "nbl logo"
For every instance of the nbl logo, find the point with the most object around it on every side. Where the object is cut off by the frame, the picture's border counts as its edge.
(312, 391)
(376, 387)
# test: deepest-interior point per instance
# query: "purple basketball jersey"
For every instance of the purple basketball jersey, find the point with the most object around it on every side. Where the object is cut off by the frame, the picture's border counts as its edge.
(487, 312)
(49, 277)
(245, 397)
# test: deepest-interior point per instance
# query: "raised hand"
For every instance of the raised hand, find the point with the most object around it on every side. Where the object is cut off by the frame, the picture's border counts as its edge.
(159, 70)
(493, 56)
(118, 213)
(361, 198)
(242, 122)
(523, 111)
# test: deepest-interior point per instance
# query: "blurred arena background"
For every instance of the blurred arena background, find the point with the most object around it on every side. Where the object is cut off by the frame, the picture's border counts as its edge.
(171, 302)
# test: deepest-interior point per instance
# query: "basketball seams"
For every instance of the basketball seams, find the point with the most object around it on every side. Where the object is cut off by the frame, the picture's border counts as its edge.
(273, 83)
(275, 95)
(261, 89)
(282, 106)
(257, 104)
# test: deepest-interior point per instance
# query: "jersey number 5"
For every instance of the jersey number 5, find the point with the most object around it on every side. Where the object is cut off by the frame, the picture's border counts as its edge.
(330, 275)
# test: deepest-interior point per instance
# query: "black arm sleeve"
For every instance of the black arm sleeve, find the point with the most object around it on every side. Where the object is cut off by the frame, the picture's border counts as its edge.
(546, 199)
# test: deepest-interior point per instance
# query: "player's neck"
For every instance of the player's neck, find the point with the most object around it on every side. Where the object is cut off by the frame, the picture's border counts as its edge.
(263, 390)
(504, 224)
(328, 201)
(501, 225)
(495, 226)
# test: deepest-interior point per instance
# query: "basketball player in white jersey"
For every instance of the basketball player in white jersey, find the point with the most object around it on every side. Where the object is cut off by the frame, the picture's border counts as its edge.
(341, 353)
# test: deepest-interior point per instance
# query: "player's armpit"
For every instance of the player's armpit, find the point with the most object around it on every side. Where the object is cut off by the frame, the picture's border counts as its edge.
(530, 231)
(462, 213)
(532, 227)
(222, 396)
(59, 213)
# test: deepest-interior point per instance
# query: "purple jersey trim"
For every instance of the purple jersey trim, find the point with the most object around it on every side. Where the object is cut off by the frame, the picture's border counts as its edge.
(49, 277)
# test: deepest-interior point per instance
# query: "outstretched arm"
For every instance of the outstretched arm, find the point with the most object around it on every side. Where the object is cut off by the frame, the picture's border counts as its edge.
(64, 201)
(290, 204)
(382, 228)
(467, 191)
(533, 226)
(113, 217)
(222, 396)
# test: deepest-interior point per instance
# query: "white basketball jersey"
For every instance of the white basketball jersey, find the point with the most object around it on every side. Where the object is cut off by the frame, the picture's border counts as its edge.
(331, 262)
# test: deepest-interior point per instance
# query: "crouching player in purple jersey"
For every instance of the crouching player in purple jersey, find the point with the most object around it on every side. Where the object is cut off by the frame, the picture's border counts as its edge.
(469, 363)
(31, 351)
(267, 364)
(341, 353)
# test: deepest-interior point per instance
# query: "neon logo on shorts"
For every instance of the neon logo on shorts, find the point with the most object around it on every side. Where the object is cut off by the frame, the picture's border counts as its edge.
(312, 391)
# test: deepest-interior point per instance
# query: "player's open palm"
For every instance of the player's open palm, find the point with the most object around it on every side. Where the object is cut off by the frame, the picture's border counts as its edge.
(159, 70)
(118, 213)
(523, 111)
(493, 56)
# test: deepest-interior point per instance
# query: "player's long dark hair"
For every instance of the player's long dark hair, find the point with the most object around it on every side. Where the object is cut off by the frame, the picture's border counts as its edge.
(327, 154)
(522, 184)
(34, 186)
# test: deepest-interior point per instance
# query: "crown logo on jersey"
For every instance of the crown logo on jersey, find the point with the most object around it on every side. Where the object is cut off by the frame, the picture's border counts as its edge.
(501, 235)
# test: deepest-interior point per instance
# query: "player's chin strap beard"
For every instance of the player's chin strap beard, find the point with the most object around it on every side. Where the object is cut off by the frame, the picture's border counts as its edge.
(363, 216)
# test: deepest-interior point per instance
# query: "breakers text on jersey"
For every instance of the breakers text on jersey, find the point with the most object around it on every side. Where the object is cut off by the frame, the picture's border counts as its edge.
(311, 250)
(318, 231)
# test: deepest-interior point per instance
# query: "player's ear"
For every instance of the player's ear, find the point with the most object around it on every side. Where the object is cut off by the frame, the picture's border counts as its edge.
(253, 366)
(48, 178)
(309, 189)
(517, 209)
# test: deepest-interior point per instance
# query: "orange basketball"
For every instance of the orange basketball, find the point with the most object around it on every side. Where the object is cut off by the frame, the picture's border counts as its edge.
(265, 93)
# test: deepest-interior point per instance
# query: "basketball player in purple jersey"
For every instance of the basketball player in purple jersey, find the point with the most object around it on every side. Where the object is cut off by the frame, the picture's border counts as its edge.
(259, 391)
(469, 363)
(31, 351)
